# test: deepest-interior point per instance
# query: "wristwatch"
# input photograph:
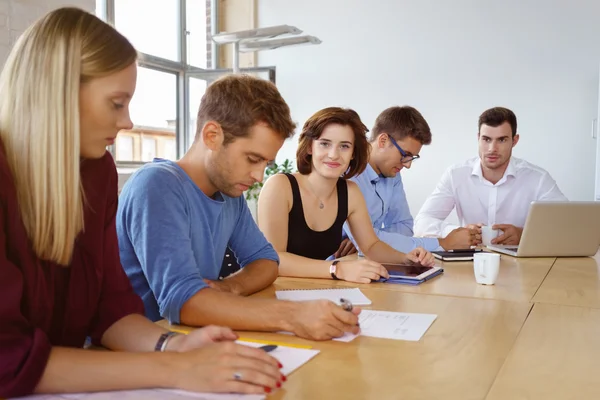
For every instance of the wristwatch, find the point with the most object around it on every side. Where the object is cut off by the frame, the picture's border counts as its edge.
(333, 270)
(161, 344)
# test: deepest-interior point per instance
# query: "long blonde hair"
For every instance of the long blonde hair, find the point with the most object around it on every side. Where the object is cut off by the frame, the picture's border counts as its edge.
(39, 120)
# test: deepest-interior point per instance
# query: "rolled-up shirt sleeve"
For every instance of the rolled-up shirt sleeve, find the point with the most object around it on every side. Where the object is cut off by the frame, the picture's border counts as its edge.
(158, 225)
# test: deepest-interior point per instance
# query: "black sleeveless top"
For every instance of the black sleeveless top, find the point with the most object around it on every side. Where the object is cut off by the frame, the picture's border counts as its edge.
(305, 242)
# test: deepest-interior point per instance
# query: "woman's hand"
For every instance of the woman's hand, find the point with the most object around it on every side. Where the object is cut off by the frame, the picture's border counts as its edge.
(421, 256)
(226, 367)
(200, 337)
(361, 271)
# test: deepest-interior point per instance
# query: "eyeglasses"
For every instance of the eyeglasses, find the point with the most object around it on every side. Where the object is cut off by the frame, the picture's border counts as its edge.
(405, 157)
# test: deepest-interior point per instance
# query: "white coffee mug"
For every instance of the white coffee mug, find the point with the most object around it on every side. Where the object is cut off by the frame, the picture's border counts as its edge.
(486, 267)
(487, 234)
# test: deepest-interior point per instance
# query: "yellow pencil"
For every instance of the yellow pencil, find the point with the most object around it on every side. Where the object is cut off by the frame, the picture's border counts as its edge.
(179, 330)
(262, 341)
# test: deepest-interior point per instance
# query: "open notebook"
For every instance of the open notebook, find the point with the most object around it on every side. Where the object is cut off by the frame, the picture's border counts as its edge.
(354, 295)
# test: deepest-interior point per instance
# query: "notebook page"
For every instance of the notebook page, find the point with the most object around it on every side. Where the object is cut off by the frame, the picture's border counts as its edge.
(354, 295)
(391, 325)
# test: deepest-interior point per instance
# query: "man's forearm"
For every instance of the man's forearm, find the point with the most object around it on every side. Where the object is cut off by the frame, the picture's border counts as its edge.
(254, 277)
(405, 243)
(213, 307)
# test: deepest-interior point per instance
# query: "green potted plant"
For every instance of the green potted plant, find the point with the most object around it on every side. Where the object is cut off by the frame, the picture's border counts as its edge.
(253, 191)
(285, 167)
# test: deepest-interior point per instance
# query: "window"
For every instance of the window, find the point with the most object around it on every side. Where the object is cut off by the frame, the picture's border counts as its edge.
(124, 148)
(198, 46)
(154, 103)
(148, 149)
(197, 89)
(169, 149)
(153, 111)
(172, 74)
(151, 25)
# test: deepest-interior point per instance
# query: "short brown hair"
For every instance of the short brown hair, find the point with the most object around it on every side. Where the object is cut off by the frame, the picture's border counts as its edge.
(400, 122)
(313, 129)
(238, 102)
(497, 116)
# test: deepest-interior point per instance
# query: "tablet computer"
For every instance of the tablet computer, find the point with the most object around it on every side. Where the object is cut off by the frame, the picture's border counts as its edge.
(415, 272)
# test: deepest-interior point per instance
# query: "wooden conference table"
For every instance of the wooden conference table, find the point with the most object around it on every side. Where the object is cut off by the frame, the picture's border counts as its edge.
(533, 335)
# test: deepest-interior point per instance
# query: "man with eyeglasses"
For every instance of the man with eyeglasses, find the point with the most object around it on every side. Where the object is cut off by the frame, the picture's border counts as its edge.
(396, 140)
(494, 189)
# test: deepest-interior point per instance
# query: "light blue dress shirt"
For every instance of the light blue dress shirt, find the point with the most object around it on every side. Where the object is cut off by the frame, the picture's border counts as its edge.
(389, 212)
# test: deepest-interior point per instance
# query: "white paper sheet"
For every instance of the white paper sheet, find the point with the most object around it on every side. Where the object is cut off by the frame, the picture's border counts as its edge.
(354, 295)
(145, 394)
(290, 357)
(391, 325)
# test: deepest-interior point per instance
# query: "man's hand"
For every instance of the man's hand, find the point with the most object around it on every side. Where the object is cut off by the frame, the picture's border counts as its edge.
(322, 320)
(200, 337)
(421, 256)
(510, 234)
(347, 247)
(225, 285)
(476, 227)
(461, 238)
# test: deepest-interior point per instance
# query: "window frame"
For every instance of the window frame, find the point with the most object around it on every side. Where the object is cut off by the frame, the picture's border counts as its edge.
(181, 69)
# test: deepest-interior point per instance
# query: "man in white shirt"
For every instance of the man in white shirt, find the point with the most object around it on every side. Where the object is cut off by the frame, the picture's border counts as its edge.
(494, 189)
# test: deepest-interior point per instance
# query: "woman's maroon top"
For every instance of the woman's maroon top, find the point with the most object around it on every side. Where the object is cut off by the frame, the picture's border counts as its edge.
(44, 305)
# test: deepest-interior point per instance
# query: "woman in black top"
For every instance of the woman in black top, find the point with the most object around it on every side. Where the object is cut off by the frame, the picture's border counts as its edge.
(302, 214)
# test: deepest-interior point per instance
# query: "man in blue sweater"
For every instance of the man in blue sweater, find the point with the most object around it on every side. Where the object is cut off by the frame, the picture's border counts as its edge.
(396, 141)
(175, 220)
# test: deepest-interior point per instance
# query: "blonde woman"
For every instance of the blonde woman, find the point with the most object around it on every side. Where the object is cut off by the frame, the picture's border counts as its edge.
(64, 95)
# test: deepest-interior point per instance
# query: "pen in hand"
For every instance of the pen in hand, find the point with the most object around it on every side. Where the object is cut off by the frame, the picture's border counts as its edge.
(346, 304)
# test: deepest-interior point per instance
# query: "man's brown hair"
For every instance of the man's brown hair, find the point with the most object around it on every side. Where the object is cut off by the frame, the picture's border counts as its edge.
(238, 102)
(497, 116)
(313, 129)
(401, 122)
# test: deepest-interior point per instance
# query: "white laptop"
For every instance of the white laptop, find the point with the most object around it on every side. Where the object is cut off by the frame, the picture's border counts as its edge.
(558, 229)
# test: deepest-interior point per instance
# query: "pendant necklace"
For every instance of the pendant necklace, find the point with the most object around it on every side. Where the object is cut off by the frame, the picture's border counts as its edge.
(321, 204)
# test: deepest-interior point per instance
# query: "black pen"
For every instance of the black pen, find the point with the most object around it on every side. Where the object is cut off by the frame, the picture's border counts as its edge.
(346, 304)
(268, 347)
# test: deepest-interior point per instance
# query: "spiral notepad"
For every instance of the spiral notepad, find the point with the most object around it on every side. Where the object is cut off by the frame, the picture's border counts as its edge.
(354, 295)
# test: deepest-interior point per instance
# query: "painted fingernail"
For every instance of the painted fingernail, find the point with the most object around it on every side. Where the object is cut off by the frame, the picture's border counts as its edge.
(278, 384)
(283, 378)
(267, 389)
(280, 366)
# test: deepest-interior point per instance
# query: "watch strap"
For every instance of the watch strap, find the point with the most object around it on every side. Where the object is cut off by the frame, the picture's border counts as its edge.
(333, 270)
(161, 344)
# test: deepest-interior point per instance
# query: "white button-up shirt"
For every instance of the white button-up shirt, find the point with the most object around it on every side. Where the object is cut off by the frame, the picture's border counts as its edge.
(479, 201)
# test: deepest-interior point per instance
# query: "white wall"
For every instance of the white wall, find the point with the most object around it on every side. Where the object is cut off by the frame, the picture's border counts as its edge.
(17, 15)
(452, 60)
